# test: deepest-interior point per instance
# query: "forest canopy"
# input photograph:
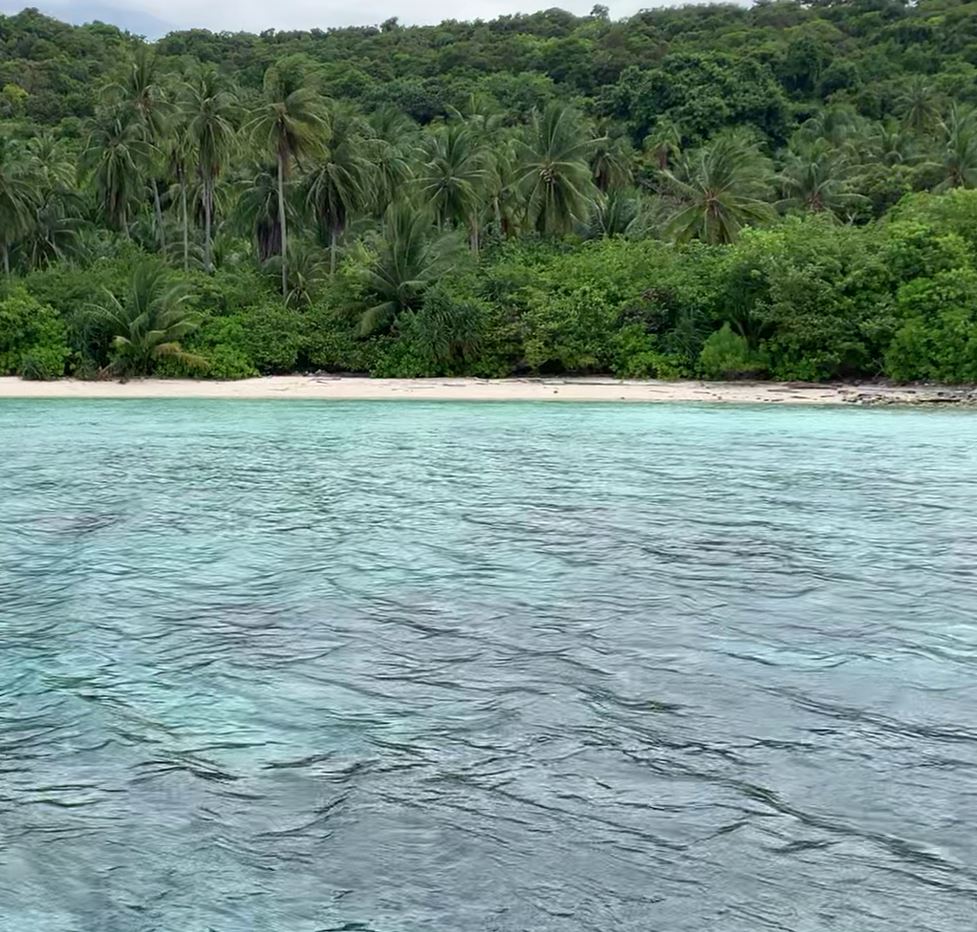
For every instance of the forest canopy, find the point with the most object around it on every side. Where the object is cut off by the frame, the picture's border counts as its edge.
(784, 190)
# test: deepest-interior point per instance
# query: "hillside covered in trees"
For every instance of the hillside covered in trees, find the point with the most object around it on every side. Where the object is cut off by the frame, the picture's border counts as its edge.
(785, 190)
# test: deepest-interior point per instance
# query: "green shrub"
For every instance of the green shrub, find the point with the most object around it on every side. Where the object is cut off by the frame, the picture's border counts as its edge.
(727, 355)
(33, 339)
(448, 331)
(335, 348)
(907, 358)
(911, 249)
(937, 338)
(274, 336)
(401, 359)
(568, 332)
(43, 362)
(229, 290)
(820, 298)
(72, 291)
(953, 212)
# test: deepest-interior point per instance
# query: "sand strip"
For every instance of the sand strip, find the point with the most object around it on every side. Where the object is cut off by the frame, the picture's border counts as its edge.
(347, 388)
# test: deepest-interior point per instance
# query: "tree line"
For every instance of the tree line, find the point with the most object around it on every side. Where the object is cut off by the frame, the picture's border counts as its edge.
(189, 192)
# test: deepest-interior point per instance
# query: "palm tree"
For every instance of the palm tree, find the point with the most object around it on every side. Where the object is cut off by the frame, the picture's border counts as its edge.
(663, 143)
(610, 159)
(306, 271)
(56, 225)
(51, 164)
(17, 200)
(892, 144)
(616, 213)
(55, 231)
(959, 156)
(388, 151)
(210, 111)
(338, 183)
(290, 124)
(452, 177)
(181, 157)
(920, 105)
(836, 123)
(117, 157)
(817, 179)
(147, 323)
(721, 187)
(482, 117)
(501, 186)
(141, 92)
(257, 211)
(409, 259)
(554, 172)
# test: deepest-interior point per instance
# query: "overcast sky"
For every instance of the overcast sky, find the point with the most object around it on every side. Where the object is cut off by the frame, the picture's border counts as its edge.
(154, 17)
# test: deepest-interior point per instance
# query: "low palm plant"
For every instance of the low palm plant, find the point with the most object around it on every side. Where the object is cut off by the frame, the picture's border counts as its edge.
(410, 258)
(307, 270)
(146, 324)
(615, 213)
(817, 179)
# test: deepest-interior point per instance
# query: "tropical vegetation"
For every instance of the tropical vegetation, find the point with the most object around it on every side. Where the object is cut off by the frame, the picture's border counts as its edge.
(785, 191)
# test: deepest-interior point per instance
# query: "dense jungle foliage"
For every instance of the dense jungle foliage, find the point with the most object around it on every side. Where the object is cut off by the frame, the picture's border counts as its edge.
(783, 191)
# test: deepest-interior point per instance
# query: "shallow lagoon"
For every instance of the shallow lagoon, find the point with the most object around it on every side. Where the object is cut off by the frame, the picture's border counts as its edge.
(407, 666)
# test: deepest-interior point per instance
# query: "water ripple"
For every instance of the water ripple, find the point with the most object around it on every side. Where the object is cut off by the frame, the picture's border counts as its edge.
(381, 667)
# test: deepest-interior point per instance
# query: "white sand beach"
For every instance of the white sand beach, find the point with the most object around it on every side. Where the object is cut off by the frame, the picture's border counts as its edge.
(350, 388)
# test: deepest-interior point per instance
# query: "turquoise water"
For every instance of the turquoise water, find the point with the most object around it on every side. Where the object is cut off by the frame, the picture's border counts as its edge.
(301, 666)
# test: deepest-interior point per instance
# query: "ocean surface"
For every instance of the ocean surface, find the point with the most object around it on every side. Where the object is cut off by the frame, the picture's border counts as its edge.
(412, 667)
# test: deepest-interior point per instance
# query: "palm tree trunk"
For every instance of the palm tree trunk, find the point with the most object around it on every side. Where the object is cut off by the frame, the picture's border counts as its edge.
(159, 216)
(6, 260)
(207, 211)
(281, 222)
(473, 234)
(332, 251)
(186, 227)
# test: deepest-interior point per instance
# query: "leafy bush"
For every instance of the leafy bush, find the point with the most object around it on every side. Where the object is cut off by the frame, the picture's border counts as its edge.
(727, 355)
(953, 212)
(33, 338)
(937, 338)
(72, 291)
(222, 341)
(274, 336)
(333, 342)
(262, 339)
(448, 331)
(401, 359)
(820, 297)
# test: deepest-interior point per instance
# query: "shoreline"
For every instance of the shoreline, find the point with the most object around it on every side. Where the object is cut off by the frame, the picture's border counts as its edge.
(354, 388)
